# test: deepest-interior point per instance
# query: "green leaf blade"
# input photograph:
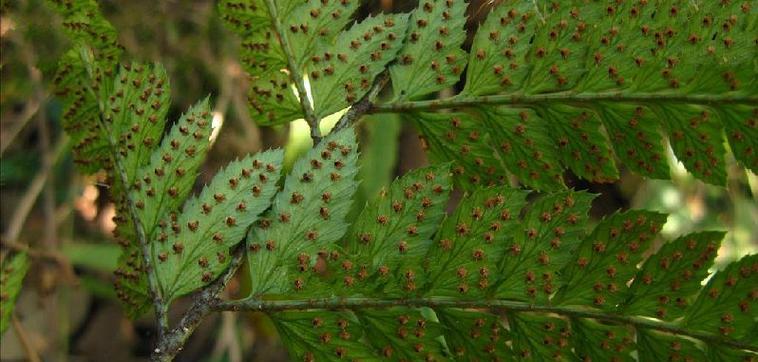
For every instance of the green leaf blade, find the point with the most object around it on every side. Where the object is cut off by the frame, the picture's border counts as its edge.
(582, 147)
(727, 304)
(539, 338)
(500, 43)
(544, 240)
(473, 335)
(597, 341)
(463, 261)
(307, 216)
(342, 73)
(271, 99)
(655, 346)
(322, 336)
(431, 59)
(164, 183)
(741, 127)
(214, 222)
(459, 137)
(12, 272)
(403, 333)
(389, 239)
(670, 278)
(607, 259)
(526, 147)
(160, 188)
(314, 24)
(136, 109)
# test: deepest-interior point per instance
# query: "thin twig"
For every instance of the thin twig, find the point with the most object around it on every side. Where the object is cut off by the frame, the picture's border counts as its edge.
(33, 105)
(203, 303)
(227, 342)
(295, 75)
(562, 97)
(446, 302)
(30, 109)
(27, 201)
(23, 337)
(50, 255)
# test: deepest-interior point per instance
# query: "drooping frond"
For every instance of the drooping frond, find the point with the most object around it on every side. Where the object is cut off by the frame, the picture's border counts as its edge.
(548, 87)
(498, 278)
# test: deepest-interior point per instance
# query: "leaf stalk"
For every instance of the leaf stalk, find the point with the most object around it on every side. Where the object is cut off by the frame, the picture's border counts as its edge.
(562, 97)
(502, 305)
(295, 74)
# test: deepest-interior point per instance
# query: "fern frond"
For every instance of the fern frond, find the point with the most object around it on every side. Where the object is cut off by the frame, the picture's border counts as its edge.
(607, 259)
(80, 117)
(629, 70)
(13, 269)
(213, 222)
(158, 190)
(457, 137)
(726, 305)
(271, 98)
(136, 109)
(432, 58)
(344, 71)
(83, 72)
(567, 86)
(392, 233)
(307, 29)
(671, 277)
(498, 278)
(657, 346)
(307, 216)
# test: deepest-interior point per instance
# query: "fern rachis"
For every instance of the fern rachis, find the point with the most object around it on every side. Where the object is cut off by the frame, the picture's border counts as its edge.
(501, 273)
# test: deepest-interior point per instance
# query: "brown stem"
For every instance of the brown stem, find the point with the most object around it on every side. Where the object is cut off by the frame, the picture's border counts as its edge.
(23, 337)
(203, 303)
(364, 105)
(27, 201)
